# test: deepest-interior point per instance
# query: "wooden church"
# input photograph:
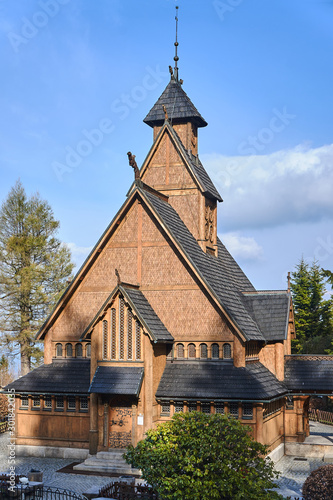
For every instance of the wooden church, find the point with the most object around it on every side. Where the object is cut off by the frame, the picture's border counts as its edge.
(160, 318)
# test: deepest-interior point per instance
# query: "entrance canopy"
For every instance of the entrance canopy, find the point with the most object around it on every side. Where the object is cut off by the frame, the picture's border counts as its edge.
(117, 380)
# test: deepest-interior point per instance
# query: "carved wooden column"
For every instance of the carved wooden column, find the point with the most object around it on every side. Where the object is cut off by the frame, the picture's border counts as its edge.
(93, 433)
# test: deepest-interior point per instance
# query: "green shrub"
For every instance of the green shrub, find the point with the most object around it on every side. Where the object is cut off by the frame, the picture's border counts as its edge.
(319, 485)
(195, 456)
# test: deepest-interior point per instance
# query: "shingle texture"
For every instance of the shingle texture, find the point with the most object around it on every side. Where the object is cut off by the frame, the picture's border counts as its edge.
(124, 380)
(271, 312)
(179, 107)
(147, 315)
(71, 376)
(302, 375)
(218, 380)
(222, 274)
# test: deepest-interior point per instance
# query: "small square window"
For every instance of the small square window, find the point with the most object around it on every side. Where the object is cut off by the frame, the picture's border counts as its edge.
(83, 403)
(165, 409)
(71, 403)
(48, 402)
(179, 407)
(24, 401)
(247, 411)
(192, 406)
(233, 409)
(59, 402)
(205, 408)
(36, 402)
(219, 408)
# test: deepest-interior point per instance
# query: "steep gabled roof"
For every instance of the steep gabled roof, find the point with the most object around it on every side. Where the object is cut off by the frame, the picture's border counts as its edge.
(178, 105)
(70, 376)
(218, 380)
(222, 275)
(193, 164)
(270, 310)
(141, 308)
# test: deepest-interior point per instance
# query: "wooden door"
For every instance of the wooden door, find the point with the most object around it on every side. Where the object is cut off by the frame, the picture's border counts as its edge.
(120, 428)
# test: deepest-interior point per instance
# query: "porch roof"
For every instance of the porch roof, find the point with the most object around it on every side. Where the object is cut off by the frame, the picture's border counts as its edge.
(120, 380)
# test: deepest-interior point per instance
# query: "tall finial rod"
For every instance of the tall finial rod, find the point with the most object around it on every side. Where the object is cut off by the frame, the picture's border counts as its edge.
(176, 58)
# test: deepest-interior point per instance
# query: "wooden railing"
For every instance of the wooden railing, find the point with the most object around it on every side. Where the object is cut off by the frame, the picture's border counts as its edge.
(325, 417)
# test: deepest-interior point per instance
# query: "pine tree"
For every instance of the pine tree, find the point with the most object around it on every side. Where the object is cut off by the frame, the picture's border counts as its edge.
(34, 269)
(313, 314)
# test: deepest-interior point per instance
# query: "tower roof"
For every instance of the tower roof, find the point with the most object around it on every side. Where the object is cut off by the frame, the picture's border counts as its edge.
(178, 105)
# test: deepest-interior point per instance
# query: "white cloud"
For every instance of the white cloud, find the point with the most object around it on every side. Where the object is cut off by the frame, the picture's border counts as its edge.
(269, 190)
(242, 247)
(79, 254)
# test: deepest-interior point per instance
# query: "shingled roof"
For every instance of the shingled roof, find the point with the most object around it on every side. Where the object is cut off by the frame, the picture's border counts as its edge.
(178, 105)
(124, 380)
(270, 310)
(304, 375)
(222, 275)
(219, 380)
(70, 376)
(142, 308)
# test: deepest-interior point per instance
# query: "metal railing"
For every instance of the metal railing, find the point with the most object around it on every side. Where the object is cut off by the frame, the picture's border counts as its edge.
(123, 491)
(325, 417)
(26, 492)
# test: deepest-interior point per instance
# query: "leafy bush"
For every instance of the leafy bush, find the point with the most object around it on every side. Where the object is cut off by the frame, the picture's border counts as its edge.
(319, 485)
(195, 456)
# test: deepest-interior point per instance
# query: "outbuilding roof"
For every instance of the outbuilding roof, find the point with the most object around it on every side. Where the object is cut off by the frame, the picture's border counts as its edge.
(304, 375)
(70, 376)
(218, 380)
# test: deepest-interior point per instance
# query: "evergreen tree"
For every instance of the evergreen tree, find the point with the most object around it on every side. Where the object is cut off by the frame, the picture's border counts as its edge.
(34, 269)
(313, 314)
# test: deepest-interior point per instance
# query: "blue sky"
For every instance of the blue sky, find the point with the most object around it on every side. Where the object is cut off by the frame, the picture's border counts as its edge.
(260, 72)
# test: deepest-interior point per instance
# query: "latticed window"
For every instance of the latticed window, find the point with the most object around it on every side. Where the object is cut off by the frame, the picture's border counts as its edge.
(83, 403)
(251, 349)
(88, 350)
(129, 334)
(105, 339)
(69, 350)
(272, 407)
(24, 401)
(219, 408)
(192, 406)
(113, 334)
(71, 403)
(121, 330)
(226, 351)
(247, 410)
(59, 402)
(233, 409)
(36, 402)
(58, 350)
(165, 409)
(215, 351)
(205, 408)
(180, 351)
(48, 402)
(203, 351)
(191, 351)
(78, 351)
(179, 406)
(137, 340)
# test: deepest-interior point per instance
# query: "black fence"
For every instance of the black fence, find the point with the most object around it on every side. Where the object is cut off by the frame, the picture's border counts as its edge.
(26, 492)
(123, 491)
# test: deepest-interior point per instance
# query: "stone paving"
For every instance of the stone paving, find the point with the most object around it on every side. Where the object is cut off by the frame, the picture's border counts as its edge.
(294, 470)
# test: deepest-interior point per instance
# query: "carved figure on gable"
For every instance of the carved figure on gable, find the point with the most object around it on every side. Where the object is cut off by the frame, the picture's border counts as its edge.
(133, 164)
(209, 224)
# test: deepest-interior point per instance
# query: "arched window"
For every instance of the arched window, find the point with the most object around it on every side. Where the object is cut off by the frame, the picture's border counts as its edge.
(203, 351)
(78, 351)
(191, 351)
(59, 350)
(88, 350)
(69, 351)
(215, 351)
(180, 351)
(226, 351)
(105, 339)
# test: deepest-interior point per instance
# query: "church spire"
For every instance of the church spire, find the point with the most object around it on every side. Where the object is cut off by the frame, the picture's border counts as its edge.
(176, 58)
